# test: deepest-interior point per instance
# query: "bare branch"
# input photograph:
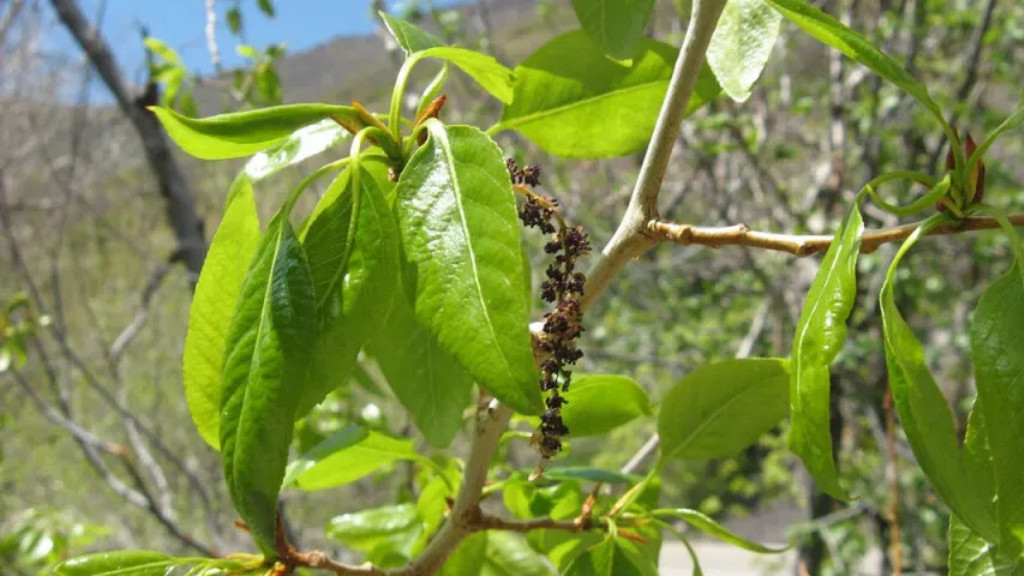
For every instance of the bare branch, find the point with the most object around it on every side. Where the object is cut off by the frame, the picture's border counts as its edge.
(630, 239)
(211, 34)
(803, 245)
(181, 213)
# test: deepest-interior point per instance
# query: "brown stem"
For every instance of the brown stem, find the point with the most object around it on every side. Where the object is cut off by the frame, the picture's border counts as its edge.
(803, 245)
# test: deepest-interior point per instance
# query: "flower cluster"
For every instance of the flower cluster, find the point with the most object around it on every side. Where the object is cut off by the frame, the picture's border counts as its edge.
(563, 288)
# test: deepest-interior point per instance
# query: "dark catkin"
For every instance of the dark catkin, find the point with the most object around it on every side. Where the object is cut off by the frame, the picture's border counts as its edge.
(563, 288)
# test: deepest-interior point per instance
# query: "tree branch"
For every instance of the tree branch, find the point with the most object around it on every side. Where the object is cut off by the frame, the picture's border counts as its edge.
(802, 245)
(181, 213)
(631, 238)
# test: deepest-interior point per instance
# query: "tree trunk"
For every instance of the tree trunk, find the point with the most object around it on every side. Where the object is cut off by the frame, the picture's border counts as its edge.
(181, 212)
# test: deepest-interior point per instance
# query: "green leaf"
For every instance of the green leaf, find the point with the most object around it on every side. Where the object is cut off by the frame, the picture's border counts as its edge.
(612, 557)
(617, 26)
(336, 442)
(427, 380)
(124, 563)
(461, 236)
(722, 408)
(265, 369)
(509, 555)
(410, 37)
(526, 499)
(378, 532)
(572, 101)
(267, 7)
(304, 143)
(972, 555)
(243, 133)
(741, 45)
(213, 305)
(820, 334)
(1012, 121)
(997, 347)
(924, 411)
(352, 243)
(468, 558)
(598, 403)
(490, 74)
(714, 529)
(590, 474)
(830, 31)
(342, 459)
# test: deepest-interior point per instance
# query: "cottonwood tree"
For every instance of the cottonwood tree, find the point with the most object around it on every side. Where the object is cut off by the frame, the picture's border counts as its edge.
(414, 257)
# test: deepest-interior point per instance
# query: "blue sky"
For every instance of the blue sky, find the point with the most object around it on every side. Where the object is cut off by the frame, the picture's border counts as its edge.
(301, 24)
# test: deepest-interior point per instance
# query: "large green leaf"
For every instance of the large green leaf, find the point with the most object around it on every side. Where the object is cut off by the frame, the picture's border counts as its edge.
(924, 411)
(598, 403)
(381, 533)
(427, 380)
(714, 529)
(304, 143)
(835, 34)
(820, 334)
(265, 369)
(617, 26)
(410, 37)
(722, 408)
(124, 563)
(972, 555)
(461, 238)
(612, 557)
(346, 457)
(352, 245)
(509, 555)
(468, 558)
(997, 346)
(490, 74)
(574, 102)
(242, 133)
(213, 305)
(741, 45)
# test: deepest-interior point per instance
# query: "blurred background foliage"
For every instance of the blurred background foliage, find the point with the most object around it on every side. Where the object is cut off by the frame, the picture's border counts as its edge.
(94, 306)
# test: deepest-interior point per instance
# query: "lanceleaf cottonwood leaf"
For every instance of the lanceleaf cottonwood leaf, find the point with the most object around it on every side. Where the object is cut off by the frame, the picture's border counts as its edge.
(213, 306)
(997, 347)
(837, 35)
(267, 360)
(714, 529)
(612, 557)
(379, 532)
(820, 334)
(972, 555)
(352, 246)
(722, 408)
(461, 237)
(741, 45)
(490, 74)
(925, 413)
(243, 133)
(123, 563)
(574, 102)
(598, 403)
(615, 25)
(347, 456)
(304, 143)
(410, 37)
(427, 380)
